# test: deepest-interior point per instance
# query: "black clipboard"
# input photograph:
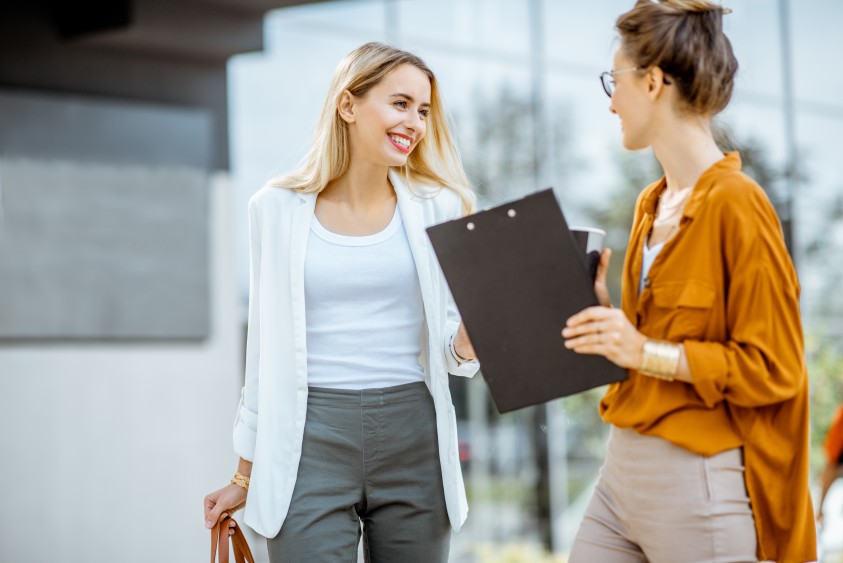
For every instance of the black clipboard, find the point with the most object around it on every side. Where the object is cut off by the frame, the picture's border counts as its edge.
(517, 274)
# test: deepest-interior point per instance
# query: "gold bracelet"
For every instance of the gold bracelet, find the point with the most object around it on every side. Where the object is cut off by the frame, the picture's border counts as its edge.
(240, 480)
(660, 359)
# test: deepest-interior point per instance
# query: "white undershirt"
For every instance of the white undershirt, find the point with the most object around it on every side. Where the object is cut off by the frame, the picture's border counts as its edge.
(649, 256)
(364, 310)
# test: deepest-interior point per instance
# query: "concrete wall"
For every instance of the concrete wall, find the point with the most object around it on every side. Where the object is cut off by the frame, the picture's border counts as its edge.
(105, 218)
(108, 450)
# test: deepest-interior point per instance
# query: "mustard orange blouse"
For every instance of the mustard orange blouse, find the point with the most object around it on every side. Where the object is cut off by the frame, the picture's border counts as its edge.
(725, 287)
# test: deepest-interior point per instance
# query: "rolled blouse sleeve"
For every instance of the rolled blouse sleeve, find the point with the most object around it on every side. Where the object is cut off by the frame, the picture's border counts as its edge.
(761, 361)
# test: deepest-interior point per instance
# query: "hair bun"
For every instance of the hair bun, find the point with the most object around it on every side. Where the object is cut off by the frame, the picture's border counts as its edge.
(685, 39)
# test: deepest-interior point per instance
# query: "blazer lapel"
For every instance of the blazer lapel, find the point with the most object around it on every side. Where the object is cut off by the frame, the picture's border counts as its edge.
(301, 219)
(412, 214)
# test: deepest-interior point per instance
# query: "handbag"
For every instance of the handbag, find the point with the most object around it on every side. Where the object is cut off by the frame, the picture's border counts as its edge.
(219, 541)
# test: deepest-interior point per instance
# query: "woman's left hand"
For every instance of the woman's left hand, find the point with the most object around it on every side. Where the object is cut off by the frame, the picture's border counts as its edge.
(605, 332)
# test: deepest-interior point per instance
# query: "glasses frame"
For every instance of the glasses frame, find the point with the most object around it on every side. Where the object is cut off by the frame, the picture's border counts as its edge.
(607, 79)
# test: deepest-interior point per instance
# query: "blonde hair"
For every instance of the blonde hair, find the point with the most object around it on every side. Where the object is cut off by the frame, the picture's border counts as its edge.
(435, 160)
(685, 39)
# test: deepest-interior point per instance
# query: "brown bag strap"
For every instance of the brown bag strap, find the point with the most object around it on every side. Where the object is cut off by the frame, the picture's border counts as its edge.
(215, 536)
(242, 553)
(219, 542)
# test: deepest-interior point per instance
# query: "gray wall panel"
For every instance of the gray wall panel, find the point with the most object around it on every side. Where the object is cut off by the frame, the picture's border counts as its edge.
(105, 220)
(37, 125)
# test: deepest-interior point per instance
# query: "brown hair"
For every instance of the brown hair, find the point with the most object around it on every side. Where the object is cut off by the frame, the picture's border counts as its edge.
(685, 39)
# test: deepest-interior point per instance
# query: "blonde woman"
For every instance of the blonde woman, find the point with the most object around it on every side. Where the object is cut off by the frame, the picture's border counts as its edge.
(346, 417)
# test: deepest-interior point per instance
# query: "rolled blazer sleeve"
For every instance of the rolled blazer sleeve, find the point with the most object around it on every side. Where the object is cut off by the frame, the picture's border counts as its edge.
(452, 323)
(246, 420)
(761, 362)
(455, 367)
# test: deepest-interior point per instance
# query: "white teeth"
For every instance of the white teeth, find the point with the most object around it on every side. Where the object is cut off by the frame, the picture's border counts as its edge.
(400, 141)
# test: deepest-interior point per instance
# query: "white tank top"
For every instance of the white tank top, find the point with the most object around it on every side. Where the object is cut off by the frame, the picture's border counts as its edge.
(364, 310)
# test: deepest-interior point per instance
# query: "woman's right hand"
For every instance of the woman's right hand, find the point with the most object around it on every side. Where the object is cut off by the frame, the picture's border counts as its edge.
(601, 289)
(227, 500)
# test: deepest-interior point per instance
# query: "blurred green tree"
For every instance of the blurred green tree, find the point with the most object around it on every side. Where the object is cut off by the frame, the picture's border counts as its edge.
(500, 157)
(497, 145)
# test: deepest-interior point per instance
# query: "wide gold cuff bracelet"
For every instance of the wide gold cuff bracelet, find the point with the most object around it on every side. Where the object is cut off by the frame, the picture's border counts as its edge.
(660, 359)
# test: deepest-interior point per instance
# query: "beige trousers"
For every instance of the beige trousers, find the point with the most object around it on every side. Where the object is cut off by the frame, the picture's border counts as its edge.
(657, 502)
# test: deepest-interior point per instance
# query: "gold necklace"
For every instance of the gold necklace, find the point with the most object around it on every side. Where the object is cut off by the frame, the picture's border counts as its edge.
(671, 208)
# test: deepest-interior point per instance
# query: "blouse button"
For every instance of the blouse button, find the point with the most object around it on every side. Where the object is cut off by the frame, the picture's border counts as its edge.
(646, 282)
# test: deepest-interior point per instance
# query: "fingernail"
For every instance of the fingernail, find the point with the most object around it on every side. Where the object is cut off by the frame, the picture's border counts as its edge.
(208, 524)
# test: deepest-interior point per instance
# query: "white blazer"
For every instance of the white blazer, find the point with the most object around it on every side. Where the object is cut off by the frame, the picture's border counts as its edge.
(269, 425)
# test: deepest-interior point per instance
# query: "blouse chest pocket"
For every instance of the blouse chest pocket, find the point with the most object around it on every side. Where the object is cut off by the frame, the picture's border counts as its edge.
(682, 309)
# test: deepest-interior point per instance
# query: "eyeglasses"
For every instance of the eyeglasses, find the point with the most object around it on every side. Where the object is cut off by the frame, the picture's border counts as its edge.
(607, 79)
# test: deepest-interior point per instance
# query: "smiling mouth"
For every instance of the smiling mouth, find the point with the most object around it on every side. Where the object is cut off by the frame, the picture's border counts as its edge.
(402, 143)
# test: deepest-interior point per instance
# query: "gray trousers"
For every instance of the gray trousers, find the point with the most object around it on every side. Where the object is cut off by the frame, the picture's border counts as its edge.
(369, 456)
(657, 502)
